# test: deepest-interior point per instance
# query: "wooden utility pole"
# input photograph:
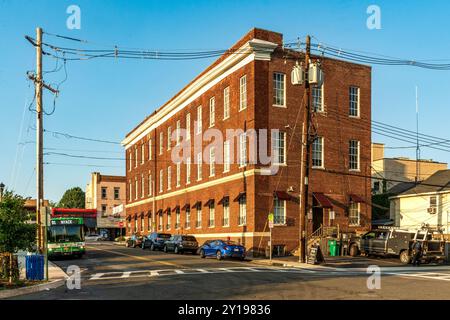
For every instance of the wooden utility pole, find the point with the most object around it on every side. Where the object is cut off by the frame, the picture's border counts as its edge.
(39, 141)
(306, 166)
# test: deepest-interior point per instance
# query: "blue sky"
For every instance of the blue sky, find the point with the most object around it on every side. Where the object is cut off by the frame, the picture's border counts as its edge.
(106, 98)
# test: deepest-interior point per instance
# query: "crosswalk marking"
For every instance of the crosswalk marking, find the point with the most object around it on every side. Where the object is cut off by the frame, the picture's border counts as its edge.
(126, 274)
(202, 270)
(153, 273)
(97, 276)
(179, 271)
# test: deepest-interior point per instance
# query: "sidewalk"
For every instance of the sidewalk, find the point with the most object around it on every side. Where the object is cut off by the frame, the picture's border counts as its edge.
(291, 262)
(57, 278)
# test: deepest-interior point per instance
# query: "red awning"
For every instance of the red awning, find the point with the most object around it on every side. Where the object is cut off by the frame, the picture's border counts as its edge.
(135, 215)
(129, 218)
(159, 211)
(148, 213)
(356, 198)
(177, 207)
(186, 206)
(209, 202)
(167, 210)
(224, 199)
(282, 195)
(240, 195)
(141, 215)
(197, 204)
(323, 200)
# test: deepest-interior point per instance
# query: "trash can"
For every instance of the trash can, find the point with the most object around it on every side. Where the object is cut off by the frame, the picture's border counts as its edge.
(333, 247)
(34, 265)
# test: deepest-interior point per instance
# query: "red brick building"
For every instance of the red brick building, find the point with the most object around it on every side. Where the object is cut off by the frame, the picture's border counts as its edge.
(231, 196)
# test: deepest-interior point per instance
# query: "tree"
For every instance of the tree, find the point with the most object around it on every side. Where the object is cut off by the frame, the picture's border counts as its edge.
(73, 198)
(15, 233)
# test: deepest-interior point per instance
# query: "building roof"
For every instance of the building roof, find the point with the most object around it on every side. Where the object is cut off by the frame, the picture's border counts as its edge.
(438, 182)
(401, 187)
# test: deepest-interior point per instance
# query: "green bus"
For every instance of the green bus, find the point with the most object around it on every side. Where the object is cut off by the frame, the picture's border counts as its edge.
(65, 237)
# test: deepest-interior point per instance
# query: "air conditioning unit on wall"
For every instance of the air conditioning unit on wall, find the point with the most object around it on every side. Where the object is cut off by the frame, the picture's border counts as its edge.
(432, 210)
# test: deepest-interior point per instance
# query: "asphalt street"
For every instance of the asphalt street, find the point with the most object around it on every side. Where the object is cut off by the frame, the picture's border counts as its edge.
(115, 272)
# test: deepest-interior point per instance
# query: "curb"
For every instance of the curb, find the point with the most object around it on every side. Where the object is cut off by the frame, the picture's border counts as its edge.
(27, 290)
(290, 265)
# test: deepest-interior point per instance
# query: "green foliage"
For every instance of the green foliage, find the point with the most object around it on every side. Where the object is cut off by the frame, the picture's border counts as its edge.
(383, 201)
(15, 233)
(73, 199)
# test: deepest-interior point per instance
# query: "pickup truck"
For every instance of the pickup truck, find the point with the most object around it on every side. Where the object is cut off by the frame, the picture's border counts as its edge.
(397, 243)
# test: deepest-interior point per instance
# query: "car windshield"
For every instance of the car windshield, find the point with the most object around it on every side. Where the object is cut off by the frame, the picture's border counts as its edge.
(189, 238)
(230, 243)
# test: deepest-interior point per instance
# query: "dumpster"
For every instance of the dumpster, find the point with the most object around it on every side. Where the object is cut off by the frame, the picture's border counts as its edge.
(34, 265)
(333, 247)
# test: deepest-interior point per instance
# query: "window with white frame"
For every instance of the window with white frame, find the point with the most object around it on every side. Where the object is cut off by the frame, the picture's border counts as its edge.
(160, 221)
(212, 215)
(161, 180)
(136, 225)
(149, 222)
(178, 132)
(353, 154)
(188, 126)
(317, 98)
(169, 219)
(279, 89)
(169, 137)
(150, 149)
(161, 142)
(178, 174)
(130, 190)
(226, 156)
(242, 149)
(135, 157)
(169, 178)
(212, 161)
(354, 214)
(212, 111)
(433, 202)
(354, 101)
(242, 210)
(279, 147)
(243, 93)
(177, 219)
(226, 103)
(199, 166)
(187, 223)
(142, 153)
(279, 211)
(142, 223)
(317, 152)
(136, 187)
(188, 170)
(150, 185)
(199, 217)
(130, 160)
(199, 120)
(142, 185)
(226, 213)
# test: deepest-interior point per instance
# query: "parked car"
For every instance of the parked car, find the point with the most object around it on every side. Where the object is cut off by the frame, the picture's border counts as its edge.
(222, 249)
(396, 242)
(134, 241)
(181, 243)
(155, 240)
(93, 237)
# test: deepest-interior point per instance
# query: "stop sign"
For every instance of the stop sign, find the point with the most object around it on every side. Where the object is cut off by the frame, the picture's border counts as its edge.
(120, 224)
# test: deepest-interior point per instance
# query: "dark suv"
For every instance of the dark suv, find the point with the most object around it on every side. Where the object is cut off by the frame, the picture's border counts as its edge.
(155, 240)
(181, 243)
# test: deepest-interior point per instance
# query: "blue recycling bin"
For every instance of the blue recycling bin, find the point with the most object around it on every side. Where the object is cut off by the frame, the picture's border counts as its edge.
(34, 266)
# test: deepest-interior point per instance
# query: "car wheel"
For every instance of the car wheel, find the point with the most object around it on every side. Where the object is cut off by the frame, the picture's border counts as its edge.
(202, 254)
(353, 250)
(152, 247)
(219, 255)
(176, 250)
(165, 249)
(404, 257)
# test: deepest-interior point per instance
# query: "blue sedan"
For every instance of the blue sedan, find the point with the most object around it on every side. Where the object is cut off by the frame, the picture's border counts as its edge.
(222, 249)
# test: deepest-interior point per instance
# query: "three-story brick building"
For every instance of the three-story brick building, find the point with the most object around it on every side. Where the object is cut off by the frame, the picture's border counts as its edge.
(221, 191)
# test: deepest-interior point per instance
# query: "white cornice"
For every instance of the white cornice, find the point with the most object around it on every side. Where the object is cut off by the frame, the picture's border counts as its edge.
(254, 49)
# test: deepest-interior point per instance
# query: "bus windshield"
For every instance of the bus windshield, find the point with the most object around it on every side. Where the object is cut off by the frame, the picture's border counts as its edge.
(65, 233)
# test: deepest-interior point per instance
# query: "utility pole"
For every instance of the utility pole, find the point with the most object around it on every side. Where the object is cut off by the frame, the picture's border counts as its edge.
(306, 166)
(41, 232)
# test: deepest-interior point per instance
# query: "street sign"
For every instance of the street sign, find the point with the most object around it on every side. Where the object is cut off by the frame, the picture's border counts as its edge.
(270, 224)
(270, 218)
(118, 209)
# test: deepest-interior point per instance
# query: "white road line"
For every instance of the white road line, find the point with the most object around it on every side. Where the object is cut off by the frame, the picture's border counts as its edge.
(97, 276)
(179, 271)
(153, 273)
(225, 269)
(126, 274)
(202, 270)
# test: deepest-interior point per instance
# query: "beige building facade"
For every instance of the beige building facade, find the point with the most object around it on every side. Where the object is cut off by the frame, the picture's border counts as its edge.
(106, 194)
(393, 171)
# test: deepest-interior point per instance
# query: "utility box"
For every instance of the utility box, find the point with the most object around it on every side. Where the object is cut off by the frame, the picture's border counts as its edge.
(315, 75)
(34, 265)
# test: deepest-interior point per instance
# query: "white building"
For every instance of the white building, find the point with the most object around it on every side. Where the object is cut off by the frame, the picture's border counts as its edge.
(426, 204)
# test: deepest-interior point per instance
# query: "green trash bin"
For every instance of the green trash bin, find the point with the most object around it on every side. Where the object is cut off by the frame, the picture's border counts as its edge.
(333, 247)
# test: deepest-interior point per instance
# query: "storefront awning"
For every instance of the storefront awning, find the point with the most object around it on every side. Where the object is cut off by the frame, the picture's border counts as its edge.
(167, 210)
(197, 204)
(356, 198)
(177, 207)
(240, 195)
(128, 218)
(141, 215)
(209, 202)
(135, 215)
(323, 200)
(186, 206)
(224, 199)
(282, 195)
(159, 212)
(148, 214)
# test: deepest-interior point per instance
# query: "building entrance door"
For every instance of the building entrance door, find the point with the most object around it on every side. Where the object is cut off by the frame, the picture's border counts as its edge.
(317, 218)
